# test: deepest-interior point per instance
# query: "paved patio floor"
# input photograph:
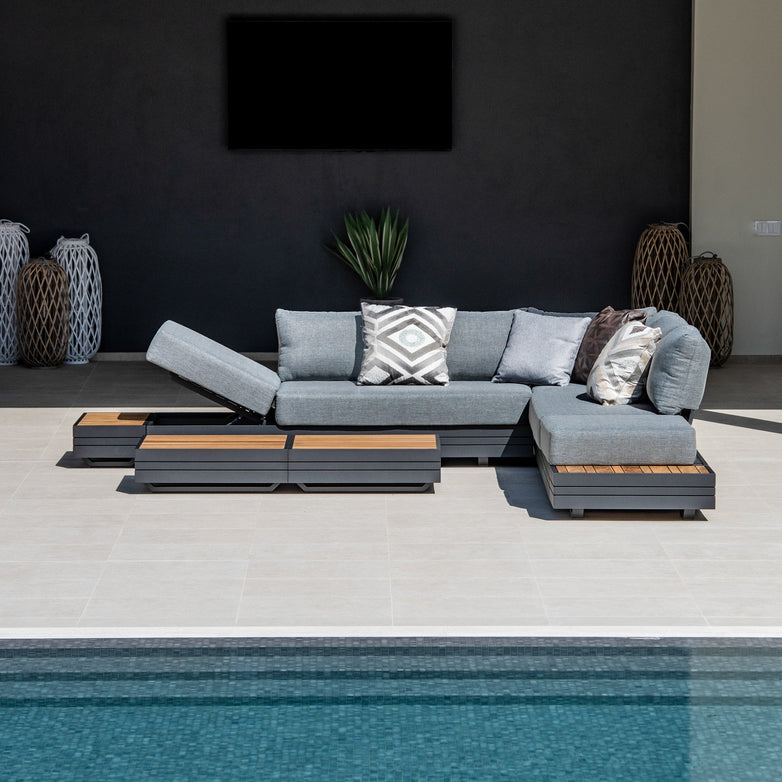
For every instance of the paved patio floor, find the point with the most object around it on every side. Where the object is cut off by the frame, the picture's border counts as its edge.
(86, 549)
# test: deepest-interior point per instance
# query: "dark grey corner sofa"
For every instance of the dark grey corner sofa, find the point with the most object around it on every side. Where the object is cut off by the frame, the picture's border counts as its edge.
(640, 455)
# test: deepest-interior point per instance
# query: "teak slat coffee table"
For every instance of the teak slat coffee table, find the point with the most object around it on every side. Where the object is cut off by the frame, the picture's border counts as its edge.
(366, 462)
(322, 462)
(207, 462)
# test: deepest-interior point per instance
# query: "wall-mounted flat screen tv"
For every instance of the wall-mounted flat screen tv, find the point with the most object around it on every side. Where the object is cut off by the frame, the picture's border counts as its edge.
(339, 83)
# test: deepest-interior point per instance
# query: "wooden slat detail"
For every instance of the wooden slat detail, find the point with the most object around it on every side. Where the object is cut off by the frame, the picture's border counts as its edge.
(215, 441)
(364, 441)
(113, 419)
(632, 469)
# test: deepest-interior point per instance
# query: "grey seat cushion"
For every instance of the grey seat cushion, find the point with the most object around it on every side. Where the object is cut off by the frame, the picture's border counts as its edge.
(344, 403)
(209, 364)
(569, 428)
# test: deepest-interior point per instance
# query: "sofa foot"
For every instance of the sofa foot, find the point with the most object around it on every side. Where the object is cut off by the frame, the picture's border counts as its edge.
(689, 514)
(576, 513)
(483, 461)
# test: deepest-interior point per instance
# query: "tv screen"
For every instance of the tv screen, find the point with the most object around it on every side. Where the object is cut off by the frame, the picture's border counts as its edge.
(339, 83)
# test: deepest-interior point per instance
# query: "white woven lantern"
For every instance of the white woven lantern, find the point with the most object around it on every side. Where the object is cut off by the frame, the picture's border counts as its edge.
(86, 296)
(14, 253)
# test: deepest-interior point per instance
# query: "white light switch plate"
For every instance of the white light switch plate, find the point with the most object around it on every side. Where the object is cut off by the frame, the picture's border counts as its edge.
(767, 227)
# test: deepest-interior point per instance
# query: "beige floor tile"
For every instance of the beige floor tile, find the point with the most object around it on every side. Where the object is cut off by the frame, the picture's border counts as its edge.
(467, 610)
(604, 568)
(41, 611)
(279, 609)
(644, 607)
(318, 568)
(160, 611)
(459, 569)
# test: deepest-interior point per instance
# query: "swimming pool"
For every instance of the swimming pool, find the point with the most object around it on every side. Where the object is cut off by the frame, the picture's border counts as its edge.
(391, 709)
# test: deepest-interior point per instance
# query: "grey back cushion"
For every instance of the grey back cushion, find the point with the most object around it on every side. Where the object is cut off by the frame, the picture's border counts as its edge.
(319, 345)
(678, 372)
(541, 349)
(477, 342)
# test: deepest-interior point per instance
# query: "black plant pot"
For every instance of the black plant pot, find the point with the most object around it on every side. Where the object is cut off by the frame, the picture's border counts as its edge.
(384, 302)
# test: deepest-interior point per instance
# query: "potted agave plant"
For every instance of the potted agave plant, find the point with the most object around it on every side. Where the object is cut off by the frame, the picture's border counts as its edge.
(374, 251)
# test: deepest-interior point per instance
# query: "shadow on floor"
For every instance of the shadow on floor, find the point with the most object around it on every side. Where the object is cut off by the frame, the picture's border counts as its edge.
(743, 421)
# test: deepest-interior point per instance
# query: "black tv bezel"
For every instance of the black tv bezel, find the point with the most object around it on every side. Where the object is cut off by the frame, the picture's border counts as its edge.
(233, 18)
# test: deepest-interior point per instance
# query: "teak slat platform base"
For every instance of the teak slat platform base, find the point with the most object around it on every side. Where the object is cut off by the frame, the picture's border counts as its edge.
(684, 487)
(261, 462)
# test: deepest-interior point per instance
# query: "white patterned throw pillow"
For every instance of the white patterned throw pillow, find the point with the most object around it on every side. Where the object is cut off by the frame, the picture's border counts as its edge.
(405, 345)
(617, 377)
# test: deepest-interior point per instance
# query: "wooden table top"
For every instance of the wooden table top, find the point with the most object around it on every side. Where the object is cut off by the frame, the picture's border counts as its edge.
(365, 441)
(215, 441)
(113, 419)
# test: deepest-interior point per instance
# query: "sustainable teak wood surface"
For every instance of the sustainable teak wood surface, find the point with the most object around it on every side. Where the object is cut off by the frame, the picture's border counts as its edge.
(113, 419)
(364, 441)
(215, 441)
(627, 469)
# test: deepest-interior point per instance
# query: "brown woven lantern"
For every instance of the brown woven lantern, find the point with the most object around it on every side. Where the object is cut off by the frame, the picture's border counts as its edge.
(707, 303)
(659, 256)
(42, 312)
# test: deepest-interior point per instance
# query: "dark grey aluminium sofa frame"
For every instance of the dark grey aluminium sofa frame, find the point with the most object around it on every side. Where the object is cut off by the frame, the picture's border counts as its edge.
(314, 390)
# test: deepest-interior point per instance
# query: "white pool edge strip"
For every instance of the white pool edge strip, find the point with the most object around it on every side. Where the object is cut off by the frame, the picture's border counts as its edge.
(352, 631)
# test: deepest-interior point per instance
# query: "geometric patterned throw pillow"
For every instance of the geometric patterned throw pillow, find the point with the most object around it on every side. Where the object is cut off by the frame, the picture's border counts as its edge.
(405, 345)
(619, 374)
(603, 326)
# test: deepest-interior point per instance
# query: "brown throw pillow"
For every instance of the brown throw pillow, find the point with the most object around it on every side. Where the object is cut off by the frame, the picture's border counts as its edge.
(603, 326)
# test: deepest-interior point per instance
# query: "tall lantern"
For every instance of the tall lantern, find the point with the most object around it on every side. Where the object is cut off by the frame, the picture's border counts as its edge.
(80, 261)
(707, 303)
(14, 253)
(659, 257)
(42, 311)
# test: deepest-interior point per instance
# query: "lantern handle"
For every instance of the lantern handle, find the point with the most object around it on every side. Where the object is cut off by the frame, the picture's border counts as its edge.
(704, 256)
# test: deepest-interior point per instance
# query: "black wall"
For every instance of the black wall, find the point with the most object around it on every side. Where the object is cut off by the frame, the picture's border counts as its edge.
(571, 132)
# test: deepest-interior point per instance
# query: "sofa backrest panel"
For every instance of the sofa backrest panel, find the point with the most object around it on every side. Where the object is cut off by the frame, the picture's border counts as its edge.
(680, 365)
(319, 345)
(477, 342)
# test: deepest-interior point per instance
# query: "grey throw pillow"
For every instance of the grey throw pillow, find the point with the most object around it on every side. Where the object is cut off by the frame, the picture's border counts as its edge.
(405, 345)
(541, 349)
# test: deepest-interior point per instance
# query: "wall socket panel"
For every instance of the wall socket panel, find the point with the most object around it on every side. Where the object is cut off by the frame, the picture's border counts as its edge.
(766, 227)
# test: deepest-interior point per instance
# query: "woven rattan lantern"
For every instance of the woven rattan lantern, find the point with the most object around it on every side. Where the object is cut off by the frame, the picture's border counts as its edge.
(659, 257)
(14, 253)
(86, 295)
(42, 313)
(706, 302)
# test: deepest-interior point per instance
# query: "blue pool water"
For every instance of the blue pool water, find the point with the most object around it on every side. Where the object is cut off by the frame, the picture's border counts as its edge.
(391, 709)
